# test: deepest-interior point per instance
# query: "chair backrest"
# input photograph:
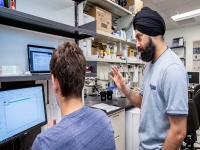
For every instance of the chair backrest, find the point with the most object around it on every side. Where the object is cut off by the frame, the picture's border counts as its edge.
(197, 88)
(192, 119)
(196, 99)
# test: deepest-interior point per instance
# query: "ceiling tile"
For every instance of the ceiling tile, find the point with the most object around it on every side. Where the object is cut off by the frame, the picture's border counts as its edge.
(154, 7)
(189, 1)
(180, 10)
(157, 1)
(171, 25)
(163, 15)
(197, 18)
(194, 5)
(147, 2)
(169, 4)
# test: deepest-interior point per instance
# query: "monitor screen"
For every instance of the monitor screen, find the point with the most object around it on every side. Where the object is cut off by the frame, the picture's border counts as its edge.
(193, 77)
(39, 58)
(21, 109)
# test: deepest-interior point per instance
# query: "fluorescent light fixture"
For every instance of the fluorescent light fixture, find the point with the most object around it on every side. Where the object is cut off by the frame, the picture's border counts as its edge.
(187, 15)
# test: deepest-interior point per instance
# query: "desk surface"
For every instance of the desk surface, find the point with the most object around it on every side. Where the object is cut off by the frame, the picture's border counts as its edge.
(122, 103)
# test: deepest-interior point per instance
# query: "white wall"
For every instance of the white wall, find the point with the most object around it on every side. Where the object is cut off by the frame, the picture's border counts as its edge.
(57, 10)
(190, 34)
(14, 41)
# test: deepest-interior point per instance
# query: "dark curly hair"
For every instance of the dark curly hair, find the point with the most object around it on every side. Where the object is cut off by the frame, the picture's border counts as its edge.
(68, 65)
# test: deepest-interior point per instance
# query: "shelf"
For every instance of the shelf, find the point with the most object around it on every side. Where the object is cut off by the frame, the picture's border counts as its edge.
(107, 37)
(24, 78)
(132, 44)
(25, 21)
(136, 62)
(91, 74)
(111, 39)
(111, 7)
(105, 60)
(182, 46)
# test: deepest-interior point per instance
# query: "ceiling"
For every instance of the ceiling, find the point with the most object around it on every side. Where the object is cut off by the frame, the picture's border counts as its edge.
(168, 8)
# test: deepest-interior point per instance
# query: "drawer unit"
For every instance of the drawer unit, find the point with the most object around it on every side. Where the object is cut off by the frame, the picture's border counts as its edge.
(118, 123)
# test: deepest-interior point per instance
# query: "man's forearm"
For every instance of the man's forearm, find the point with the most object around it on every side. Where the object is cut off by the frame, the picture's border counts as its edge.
(133, 97)
(173, 141)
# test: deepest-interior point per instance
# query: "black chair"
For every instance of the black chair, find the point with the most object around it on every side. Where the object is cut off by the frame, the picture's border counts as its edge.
(192, 121)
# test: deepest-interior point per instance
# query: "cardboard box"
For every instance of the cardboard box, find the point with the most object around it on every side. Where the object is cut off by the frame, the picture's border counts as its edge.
(130, 52)
(134, 5)
(87, 18)
(103, 19)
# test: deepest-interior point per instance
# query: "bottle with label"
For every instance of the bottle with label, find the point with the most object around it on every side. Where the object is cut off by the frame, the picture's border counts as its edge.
(6, 3)
(2, 3)
(13, 4)
(10, 4)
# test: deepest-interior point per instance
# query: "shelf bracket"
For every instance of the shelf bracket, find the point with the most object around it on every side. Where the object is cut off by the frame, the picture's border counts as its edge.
(76, 18)
(124, 22)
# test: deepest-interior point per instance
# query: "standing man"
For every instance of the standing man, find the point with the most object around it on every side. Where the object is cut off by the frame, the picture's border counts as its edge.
(163, 97)
(81, 127)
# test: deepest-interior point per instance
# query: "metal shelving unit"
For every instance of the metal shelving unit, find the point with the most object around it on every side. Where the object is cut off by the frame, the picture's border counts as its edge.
(25, 21)
(182, 46)
(109, 38)
(24, 78)
(30, 22)
(112, 7)
(106, 60)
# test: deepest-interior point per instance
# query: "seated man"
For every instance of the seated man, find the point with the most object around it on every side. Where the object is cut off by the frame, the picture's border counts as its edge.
(81, 127)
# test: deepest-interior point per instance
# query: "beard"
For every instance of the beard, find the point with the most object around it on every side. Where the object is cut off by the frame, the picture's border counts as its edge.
(148, 53)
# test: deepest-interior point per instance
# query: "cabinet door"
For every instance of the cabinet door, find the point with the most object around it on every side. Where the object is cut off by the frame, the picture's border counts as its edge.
(118, 123)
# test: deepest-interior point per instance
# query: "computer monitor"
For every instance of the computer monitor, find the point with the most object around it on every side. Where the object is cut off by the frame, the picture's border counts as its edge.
(193, 77)
(39, 58)
(21, 109)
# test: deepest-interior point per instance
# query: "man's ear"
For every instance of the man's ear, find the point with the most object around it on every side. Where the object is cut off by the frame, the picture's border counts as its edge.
(54, 84)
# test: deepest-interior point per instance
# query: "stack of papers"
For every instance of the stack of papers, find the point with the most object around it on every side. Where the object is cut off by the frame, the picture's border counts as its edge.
(105, 107)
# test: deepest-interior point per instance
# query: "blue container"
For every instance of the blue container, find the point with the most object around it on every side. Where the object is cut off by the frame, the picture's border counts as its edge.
(2, 3)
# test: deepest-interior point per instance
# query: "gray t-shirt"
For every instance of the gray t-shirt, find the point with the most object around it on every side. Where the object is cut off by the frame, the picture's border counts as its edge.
(164, 91)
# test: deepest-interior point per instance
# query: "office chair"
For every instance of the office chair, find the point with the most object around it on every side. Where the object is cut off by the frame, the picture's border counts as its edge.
(192, 126)
(197, 88)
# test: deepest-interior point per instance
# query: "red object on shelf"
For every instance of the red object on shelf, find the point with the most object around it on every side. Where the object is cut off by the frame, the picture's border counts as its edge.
(89, 69)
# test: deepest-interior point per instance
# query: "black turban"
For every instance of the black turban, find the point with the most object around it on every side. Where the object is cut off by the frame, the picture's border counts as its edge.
(149, 22)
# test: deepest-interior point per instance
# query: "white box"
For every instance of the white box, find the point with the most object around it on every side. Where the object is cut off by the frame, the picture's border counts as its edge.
(132, 127)
(87, 18)
(11, 70)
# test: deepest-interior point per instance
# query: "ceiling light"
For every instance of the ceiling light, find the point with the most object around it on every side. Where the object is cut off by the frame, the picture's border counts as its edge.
(187, 15)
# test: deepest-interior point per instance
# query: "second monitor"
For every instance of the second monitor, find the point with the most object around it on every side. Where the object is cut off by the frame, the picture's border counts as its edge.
(193, 77)
(39, 58)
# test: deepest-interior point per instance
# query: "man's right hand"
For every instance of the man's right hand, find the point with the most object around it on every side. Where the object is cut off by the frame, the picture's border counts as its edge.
(117, 78)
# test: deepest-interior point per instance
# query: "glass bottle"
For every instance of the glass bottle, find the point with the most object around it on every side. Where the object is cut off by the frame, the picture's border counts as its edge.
(13, 4)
